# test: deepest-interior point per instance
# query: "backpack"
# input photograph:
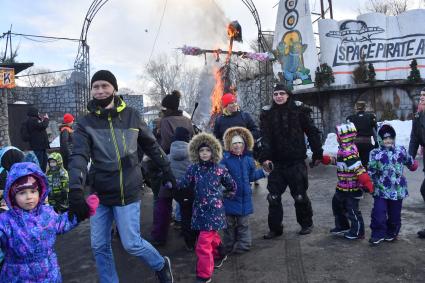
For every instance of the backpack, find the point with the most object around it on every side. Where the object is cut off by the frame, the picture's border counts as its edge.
(25, 135)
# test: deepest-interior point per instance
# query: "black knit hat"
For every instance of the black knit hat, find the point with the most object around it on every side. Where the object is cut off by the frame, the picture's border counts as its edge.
(105, 75)
(281, 87)
(172, 101)
(11, 157)
(181, 134)
(386, 131)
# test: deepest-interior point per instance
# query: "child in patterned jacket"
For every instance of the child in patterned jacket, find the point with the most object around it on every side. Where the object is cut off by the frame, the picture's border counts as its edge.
(386, 170)
(28, 229)
(352, 180)
(206, 178)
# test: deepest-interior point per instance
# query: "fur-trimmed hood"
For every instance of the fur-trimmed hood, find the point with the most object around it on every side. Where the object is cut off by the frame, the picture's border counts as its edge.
(238, 131)
(211, 141)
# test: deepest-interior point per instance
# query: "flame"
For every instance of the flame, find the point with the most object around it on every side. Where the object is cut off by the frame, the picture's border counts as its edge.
(216, 93)
(231, 31)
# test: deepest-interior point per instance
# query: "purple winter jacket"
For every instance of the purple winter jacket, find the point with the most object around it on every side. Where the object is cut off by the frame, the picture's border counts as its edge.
(27, 237)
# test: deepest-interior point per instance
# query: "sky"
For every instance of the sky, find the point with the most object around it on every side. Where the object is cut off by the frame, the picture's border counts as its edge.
(122, 34)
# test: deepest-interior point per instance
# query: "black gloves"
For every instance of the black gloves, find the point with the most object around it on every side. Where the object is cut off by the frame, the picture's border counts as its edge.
(167, 176)
(316, 159)
(77, 205)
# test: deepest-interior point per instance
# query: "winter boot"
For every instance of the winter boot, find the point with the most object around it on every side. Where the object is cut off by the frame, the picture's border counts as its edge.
(338, 231)
(421, 234)
(375, 241)
(306, 230)
(353, 236)
(165, 275)
(272, 235)
(203, 280)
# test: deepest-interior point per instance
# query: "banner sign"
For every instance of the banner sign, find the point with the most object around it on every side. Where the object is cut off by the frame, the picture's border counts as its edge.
(7, 78)
(294, 46)
(389, 42)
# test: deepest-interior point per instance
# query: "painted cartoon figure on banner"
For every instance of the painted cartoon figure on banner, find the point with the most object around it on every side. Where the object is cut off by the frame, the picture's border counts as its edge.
(289, 53)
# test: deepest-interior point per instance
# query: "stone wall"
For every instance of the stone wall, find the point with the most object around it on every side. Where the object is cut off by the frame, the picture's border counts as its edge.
(58, 100)
(254, 94)
(392, 100)
(331, 105)
(135, 101)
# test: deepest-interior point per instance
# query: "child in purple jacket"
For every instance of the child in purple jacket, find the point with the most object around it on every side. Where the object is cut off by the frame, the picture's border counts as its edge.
(28, 229)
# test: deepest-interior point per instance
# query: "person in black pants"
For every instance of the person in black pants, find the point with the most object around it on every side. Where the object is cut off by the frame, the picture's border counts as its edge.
(366, 127)
(39, 141)
(283, 125)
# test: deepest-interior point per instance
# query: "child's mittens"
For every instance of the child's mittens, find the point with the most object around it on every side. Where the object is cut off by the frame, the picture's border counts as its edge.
(168, 185)
(326, 160)
(93, 202)
(414, 166)
(365, 182)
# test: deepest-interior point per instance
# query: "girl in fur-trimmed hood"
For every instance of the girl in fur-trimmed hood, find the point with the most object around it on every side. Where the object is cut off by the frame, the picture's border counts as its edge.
(238, 145)
(206, 178)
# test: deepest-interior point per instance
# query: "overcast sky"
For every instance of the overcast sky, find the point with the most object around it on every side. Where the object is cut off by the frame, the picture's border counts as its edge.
(122, 34)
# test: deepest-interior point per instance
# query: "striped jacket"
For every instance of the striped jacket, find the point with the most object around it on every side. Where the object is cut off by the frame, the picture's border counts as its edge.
(349, 168)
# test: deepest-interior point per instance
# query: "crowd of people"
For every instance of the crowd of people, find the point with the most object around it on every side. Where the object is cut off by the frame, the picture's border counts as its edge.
(206, 177)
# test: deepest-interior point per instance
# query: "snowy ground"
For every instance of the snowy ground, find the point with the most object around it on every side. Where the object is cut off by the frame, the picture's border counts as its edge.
(402, 129)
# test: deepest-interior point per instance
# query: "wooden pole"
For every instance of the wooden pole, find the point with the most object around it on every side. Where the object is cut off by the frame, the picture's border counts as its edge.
(330, 9)
(322, 9)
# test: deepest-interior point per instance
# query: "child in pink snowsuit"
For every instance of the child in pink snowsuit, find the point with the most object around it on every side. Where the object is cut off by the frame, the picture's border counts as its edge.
(206, 178)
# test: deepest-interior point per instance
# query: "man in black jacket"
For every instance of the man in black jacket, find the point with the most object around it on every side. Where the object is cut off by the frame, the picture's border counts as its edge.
(113, 136)
(417, 138)
(366, 129)
(39, 141)
(283, 125)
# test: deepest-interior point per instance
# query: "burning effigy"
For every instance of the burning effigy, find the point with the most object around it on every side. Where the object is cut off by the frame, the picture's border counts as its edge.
(223, 75)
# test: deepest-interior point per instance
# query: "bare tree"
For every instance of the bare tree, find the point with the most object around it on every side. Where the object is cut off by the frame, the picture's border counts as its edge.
(388, 7)
(170, 72)
(42, 77)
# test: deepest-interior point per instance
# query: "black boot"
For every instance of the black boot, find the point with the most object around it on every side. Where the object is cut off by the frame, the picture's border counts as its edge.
(165, 275)
(306, 230)
(272, 235)
(421, 234)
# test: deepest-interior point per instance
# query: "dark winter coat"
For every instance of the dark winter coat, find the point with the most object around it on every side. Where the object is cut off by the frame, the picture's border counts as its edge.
(206, 179)
(179, 158)
(113, 139)
(236, 119)
(417, 135)
(179, 162)
(243, 171)
(37, 130)
(65, 140)
(169, 123)
(366, 125)
(28, 237)
(283, 128)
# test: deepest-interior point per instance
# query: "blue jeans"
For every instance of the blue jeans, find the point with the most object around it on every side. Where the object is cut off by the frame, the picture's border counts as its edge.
(127, 219)
(177, 213)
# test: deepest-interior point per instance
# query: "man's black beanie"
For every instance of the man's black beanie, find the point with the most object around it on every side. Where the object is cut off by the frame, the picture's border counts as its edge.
(281, 87)
(105, 75)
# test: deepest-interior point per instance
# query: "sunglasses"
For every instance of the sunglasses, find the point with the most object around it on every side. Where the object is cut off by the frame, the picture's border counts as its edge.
(281, 93)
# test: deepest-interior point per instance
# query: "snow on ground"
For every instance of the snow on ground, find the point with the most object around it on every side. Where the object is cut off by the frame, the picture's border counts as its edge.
(402, 129)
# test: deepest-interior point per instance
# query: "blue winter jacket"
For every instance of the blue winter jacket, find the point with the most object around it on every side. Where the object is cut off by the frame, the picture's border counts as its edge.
(243, 171)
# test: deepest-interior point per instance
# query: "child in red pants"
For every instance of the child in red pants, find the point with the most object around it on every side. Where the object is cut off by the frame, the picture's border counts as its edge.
(206, 178)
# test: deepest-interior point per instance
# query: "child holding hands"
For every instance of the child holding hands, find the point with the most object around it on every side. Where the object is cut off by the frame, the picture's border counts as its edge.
(28, 229)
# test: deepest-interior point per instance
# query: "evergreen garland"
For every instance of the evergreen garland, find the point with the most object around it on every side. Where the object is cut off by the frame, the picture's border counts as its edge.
(415, 75)
(371, 73)
(324, 75)
(360, 74)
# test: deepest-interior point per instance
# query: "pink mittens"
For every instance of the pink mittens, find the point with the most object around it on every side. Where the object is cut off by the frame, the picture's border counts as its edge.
(92, 202)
